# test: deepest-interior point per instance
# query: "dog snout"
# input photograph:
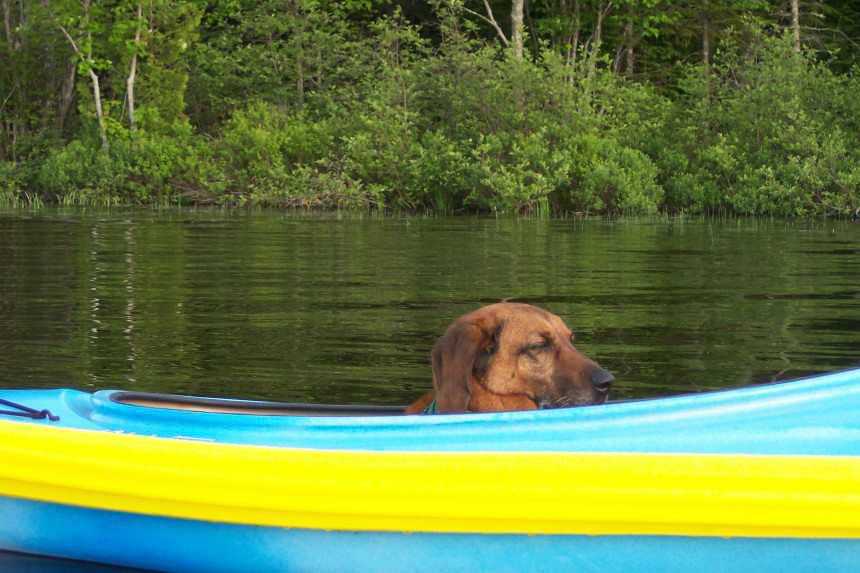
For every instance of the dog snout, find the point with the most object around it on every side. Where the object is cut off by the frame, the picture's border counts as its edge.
(601, 380)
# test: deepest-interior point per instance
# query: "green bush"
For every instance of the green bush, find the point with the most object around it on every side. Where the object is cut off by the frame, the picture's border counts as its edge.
(768, 135)
(440, 173)
(611, 177)
(261, 145)
(320, 108)
(138, 167)
(518, 174)
(12, 193)
(250, 150)
(321, 187)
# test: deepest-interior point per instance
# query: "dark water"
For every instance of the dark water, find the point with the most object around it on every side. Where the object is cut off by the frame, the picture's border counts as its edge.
(345, 309)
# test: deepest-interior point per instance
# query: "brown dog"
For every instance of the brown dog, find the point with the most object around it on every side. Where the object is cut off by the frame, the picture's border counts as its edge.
(510, 356)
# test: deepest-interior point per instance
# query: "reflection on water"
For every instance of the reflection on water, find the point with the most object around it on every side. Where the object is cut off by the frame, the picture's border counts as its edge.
(345, 309)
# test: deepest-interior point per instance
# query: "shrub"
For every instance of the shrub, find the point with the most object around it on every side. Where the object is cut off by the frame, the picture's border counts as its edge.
(12, 193)
(138, 167)
(765, 137)
(320, 187)
(611, 177)
(261, 145)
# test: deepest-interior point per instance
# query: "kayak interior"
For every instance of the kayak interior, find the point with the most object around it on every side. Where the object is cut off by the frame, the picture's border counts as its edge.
(249, 407)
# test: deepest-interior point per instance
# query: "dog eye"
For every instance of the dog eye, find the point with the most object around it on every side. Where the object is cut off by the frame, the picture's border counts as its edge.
(490, 349)
(542, 345)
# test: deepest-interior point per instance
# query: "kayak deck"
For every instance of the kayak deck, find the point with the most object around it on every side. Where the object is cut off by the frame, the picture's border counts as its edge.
(818, 415)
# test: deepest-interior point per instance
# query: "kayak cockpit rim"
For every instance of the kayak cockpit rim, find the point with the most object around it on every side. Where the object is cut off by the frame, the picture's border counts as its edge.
(248, 407)
(271, 408)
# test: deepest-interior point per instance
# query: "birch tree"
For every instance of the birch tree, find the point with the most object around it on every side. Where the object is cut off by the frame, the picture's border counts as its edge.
(795, 23)
(77, 26)
(517, 28)
(132, 69)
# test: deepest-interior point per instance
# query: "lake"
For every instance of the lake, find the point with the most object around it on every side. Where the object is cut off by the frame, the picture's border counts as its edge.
(345, 308)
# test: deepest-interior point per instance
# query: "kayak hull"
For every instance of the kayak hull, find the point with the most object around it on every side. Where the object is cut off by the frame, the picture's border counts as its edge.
(755, 479)
(164, 544)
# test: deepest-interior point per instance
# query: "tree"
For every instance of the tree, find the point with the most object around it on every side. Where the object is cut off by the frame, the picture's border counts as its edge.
(147, 44)
(11, 48)
(517, 28)
(77, 19)
(132, 70)
(795, 23)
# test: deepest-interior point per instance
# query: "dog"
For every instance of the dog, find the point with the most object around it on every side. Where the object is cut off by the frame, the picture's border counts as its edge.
(510, 356)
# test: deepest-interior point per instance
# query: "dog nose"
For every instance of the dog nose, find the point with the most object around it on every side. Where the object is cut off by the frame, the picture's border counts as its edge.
(601, 379)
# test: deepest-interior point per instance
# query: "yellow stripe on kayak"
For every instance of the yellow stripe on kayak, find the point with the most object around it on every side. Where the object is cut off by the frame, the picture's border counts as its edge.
(534, 493)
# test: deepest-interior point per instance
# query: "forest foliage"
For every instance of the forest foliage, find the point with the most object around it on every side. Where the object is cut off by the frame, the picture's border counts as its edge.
(505, 106)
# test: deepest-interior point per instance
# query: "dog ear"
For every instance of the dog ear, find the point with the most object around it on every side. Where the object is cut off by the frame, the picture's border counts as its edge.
(454, 356)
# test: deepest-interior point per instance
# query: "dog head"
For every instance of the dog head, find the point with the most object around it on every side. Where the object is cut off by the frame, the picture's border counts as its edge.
(511, 356)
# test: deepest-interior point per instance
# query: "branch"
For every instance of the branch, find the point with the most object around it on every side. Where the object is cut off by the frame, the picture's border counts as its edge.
(7, 98)
(489, 20)
(70, 39)
(836, 31)
(492, 20)
(606, 11)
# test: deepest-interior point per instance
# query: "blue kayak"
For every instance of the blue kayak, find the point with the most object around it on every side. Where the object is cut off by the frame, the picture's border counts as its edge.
(764, 478)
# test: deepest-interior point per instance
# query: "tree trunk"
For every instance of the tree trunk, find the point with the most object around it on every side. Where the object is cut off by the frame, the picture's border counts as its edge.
(706, 47)
(97, 96)
(570, 37)
(7, 21)
(603, 9)
(300, 69)
(300, 81)
(297, 48)
(631, 42)
(795, 23)
(129, 88)
(19, 122)
(577, 27)
(132, 71)
(95, 79)
(7, 125)
(624, 53)
(517, 28)
(67, 95)
(533, 35)
(631, 61)
(598, 29)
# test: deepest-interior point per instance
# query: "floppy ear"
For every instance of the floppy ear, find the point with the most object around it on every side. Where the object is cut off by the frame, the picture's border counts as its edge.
(454, 357)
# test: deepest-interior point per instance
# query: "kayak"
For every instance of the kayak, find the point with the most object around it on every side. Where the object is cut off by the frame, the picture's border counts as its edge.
(762, 478)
